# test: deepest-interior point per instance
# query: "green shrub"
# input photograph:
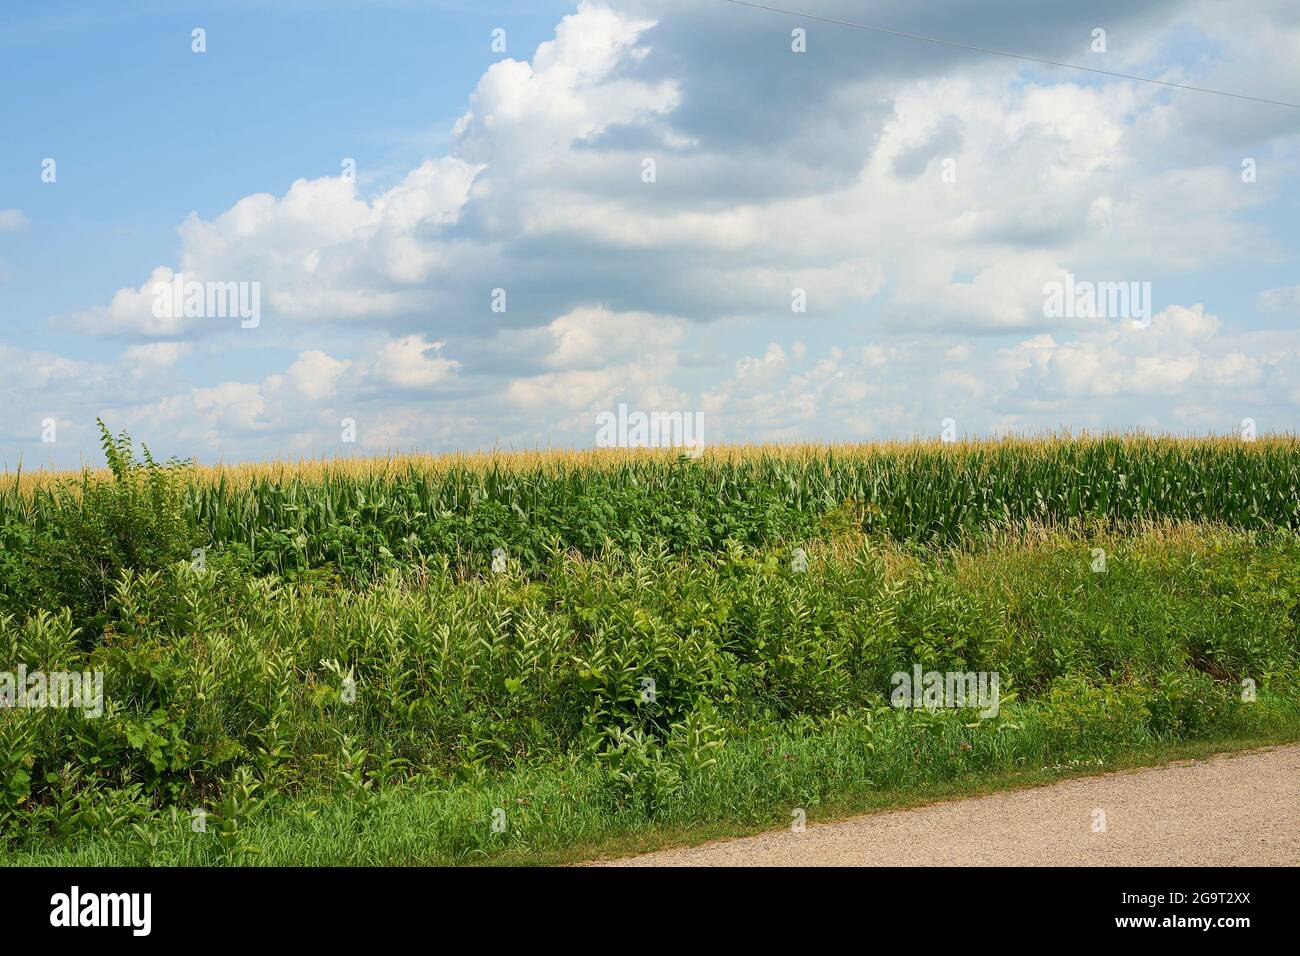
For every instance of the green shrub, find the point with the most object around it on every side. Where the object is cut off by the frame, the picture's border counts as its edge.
(304, 687)
(1092, 719)
(1188, 704)
(100, 529)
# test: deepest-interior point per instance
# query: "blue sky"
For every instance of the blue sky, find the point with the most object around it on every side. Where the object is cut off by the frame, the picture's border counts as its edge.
(921, 198)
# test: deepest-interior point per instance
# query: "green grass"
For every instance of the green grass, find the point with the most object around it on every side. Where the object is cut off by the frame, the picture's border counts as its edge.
(558, 815)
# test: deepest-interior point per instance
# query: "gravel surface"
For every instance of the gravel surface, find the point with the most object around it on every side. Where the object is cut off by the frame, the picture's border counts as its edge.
(1231, 810)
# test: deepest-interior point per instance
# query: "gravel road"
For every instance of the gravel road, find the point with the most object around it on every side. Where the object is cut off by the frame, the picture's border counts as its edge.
(1238, 809)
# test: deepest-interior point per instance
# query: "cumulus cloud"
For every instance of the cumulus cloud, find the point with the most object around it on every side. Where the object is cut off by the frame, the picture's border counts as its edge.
(592, 337)
(314, 375)
(411, 362)
(1183, 371)
(318, 252)
(544, 192)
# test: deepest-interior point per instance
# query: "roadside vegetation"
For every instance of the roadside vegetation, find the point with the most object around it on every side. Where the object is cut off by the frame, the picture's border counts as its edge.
(321, 665)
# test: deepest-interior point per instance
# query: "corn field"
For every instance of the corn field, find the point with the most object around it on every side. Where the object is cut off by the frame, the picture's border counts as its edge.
(371, 512)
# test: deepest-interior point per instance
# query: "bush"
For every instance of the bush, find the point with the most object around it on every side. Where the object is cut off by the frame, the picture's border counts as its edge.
(1188, 704)
(100, 528)
(648, 658)
(1083, 718)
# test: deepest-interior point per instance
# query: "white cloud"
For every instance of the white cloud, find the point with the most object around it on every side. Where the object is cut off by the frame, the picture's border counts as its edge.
(1097, 376)
(594, 337)
(566, 390)
(525, 113)
(1284, 299)
(314, 375)
(542, 194)
(155, 354)
(411, 362)
(319, 252)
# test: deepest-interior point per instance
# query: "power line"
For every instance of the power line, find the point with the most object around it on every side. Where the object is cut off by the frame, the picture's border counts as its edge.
(1014, 56)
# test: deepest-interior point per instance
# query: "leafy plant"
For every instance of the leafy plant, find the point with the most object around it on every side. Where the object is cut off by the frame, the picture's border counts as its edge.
(100, 528)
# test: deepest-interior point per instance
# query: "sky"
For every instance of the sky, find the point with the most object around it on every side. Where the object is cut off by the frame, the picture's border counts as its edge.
(470, 226)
